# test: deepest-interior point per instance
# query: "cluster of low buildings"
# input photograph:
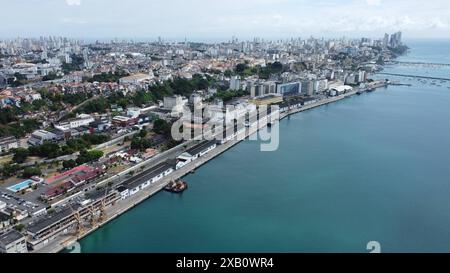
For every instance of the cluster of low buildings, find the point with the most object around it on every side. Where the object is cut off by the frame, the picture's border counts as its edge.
(70, 180)
(14, 97)
(8, 143)
(86, 124)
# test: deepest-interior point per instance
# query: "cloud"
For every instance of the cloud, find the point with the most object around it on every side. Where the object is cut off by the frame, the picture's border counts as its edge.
(373, 2)
(73, 2)
(222, 19)
(74, 20)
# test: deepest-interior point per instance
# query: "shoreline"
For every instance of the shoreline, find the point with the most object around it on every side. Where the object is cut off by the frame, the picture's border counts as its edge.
(61, 242)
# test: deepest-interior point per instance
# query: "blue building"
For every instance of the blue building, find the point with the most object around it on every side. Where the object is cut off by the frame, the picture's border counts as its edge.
(291, 88)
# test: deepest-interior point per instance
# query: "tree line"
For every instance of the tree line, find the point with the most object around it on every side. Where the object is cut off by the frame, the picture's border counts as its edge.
(54, 150)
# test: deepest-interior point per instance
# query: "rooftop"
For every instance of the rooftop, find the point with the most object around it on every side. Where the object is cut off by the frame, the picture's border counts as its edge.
(10, 237)
(138, 76)
(147, 175)
(4, 217)
(200, 147)
(80, 170)
(50, 219)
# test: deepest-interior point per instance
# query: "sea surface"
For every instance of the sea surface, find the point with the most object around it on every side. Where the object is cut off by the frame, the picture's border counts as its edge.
(373, 167)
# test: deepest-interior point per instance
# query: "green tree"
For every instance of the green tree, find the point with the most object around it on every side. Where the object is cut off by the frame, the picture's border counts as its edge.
(20, 155)
(230, 94)
(19, 227)
(8, 115)
(161, 126)
(50, 77)
(19, 128)
(276, 67)
(69, 164)
(108, 77)
(95, 139)
(48, 149)
(141, 98)
(240, 68)
(99, 105)
(141, 144)
(142, 133)
(19, 80)
(78, 144)
(228, 73)
(66, 150)
(88, 156)
(31, 171)
(10, 170)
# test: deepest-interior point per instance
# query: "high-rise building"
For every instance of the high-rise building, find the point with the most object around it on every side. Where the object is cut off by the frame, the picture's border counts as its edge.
(174, 102)
(385, 40)
(270, 87)
(290, 88)
(235, 83)
(362, 76)
(320, 86)
(307, 88)
(396, 39)
(86, 58)
(259, 89)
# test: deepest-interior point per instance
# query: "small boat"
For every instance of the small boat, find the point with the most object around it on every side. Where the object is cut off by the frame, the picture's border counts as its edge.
(359, 93)
(176, 186)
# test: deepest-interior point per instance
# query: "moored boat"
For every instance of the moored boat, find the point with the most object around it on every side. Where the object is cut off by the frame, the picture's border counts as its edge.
(176, 186)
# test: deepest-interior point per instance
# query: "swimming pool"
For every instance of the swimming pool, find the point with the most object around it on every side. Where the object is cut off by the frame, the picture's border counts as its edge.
(22, 185)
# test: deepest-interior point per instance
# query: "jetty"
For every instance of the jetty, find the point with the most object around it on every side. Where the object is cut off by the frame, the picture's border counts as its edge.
(413, 76)
(429, 64)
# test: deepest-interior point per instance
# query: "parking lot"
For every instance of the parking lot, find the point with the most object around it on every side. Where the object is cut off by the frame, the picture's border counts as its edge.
(27, 202)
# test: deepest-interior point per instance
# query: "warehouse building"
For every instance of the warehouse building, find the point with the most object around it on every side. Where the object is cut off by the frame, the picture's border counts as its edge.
(46, 228)
(195, 152)
(145, 179)
(13, 242)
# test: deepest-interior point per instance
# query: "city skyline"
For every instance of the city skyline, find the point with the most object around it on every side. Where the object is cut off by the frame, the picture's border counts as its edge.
(215, 20)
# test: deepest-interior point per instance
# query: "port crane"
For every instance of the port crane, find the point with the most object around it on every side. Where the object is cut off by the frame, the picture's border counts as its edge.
(98, 215)
(102, 217)
(92, 214)
(78, 221)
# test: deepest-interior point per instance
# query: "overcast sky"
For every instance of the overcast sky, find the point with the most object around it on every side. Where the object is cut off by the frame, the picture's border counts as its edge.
(220, 19)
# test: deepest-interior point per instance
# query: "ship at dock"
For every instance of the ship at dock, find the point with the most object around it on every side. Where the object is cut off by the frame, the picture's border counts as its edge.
(176, 186)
